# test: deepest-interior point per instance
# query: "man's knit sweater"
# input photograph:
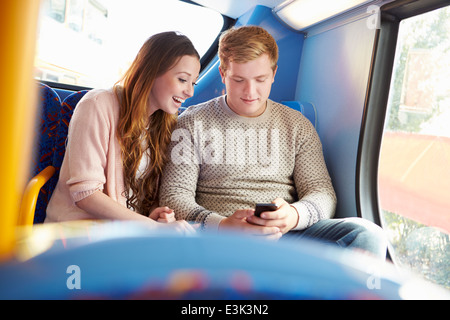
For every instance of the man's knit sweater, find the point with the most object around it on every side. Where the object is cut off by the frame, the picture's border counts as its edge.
(221, 162)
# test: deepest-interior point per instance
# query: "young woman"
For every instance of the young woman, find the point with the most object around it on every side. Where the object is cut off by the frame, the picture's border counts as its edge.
(117, 139)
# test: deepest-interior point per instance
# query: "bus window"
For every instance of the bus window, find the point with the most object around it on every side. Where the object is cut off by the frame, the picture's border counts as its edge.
(414, 166)
(91, 43)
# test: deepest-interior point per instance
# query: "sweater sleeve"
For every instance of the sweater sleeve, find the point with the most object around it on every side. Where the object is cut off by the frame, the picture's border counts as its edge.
(180, 177)
(86, 151)
(317, 198)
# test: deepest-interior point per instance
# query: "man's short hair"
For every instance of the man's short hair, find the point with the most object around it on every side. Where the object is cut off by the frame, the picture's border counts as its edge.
(245, 44)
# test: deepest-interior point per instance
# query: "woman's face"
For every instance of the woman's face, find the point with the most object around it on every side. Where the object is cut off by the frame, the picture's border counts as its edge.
(176, 85)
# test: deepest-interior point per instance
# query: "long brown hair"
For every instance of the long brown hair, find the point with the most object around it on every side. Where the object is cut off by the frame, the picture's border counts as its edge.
(137, 132)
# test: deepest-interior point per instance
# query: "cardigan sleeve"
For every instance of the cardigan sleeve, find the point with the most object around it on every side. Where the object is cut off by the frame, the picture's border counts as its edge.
(87, 148)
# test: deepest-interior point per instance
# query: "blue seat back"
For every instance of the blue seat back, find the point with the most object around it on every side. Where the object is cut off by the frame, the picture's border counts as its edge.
(49, 105)
(52, 140)
(45, 131)
(67, 108)
(306, 108)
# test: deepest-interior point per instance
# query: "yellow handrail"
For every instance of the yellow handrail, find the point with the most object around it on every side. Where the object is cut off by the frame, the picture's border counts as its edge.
(18, 25)
(30, 196)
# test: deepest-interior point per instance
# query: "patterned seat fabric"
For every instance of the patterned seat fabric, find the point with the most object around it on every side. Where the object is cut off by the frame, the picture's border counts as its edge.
(65, 115)
(46, 128)
(45, 132)
(52, 141)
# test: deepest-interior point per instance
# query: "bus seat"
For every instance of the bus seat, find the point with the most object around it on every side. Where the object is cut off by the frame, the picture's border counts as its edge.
(36, 196)
(65, 115)
(59, 148)
(306, 108)
(181, 110)
(50, 150)
(45, 131)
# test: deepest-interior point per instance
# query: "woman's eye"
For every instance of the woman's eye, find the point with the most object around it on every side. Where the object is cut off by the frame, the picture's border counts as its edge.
(182, 80)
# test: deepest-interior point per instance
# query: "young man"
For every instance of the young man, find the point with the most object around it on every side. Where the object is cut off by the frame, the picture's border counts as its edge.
(242, 148)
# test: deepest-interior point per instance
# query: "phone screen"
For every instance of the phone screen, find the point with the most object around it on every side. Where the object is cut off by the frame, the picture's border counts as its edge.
(261, 207)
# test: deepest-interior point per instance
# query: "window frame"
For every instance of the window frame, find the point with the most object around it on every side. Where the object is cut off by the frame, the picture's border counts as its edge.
(212, 51)
(372, 126)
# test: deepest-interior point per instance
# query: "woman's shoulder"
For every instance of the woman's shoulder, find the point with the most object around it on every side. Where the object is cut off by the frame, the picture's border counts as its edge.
(99, 107)
(99, 101)
(100, 95)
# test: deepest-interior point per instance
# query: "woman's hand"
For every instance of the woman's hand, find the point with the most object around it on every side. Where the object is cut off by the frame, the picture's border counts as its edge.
(163, 214)
(166, 216)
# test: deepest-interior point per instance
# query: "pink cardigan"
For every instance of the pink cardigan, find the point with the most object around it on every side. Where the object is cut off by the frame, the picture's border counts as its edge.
(93, 159)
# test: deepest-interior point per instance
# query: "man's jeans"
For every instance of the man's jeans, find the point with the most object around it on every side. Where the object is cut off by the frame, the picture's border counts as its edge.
(352, 233)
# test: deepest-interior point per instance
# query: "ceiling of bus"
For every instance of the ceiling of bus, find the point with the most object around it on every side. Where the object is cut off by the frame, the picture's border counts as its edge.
(236, 8)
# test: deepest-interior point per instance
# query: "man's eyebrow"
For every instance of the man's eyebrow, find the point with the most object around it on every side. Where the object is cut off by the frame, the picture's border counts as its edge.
(256, 77)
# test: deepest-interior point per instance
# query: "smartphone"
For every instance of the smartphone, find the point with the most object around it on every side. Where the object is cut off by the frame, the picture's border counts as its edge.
(261, 207)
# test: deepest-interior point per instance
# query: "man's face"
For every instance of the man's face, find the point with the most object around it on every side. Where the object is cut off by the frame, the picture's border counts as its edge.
(248, 85)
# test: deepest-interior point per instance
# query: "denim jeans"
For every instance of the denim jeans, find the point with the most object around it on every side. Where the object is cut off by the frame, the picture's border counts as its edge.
(352, 233)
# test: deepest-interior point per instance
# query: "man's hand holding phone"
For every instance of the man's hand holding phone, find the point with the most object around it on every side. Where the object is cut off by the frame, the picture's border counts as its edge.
(277, 214)
(263, 207)
(238, 222)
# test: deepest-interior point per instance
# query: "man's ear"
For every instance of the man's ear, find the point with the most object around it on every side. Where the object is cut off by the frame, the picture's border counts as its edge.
(222, 74)
(274, 73)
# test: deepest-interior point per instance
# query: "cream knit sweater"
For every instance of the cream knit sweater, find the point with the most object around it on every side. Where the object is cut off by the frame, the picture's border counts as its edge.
(221, 162)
